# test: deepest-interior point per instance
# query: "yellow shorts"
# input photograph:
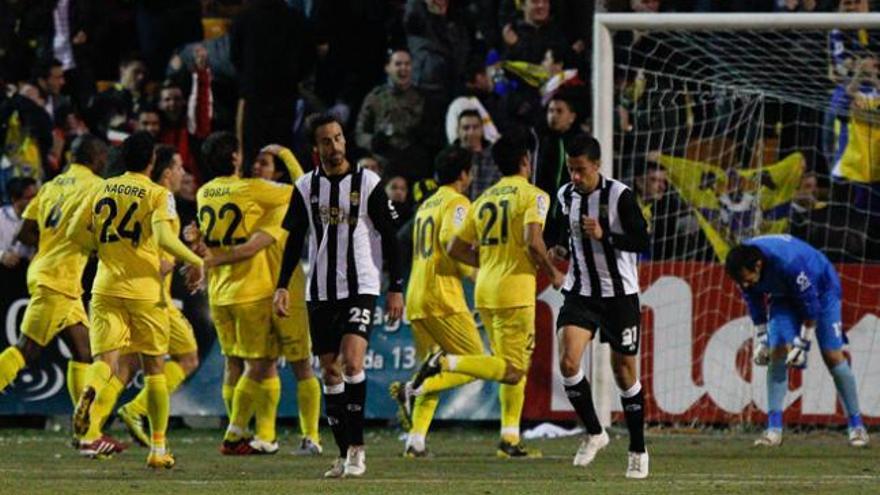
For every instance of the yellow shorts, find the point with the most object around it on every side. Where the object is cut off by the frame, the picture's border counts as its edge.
(455, 334)
(182, 338)
(49, 312)
(129, 324)
(293, 331)
(245, 330)
(512, 333)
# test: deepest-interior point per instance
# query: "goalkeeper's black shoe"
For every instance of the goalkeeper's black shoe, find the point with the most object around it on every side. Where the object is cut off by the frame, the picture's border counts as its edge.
(507, 450)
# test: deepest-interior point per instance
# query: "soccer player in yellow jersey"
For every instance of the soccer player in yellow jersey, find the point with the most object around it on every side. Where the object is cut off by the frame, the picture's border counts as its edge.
(293, 330)
(182, 347)
(503, 235)
(127, 220)
(54, 275)
(240, 294)
(435, 302)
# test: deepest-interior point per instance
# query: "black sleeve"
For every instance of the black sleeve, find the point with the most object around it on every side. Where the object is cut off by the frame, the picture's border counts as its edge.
(635, 237)
(563, 230)
(296, 222)
(383, 215)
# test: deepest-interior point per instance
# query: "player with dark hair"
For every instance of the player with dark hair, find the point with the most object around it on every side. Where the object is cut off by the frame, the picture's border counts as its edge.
(793, 292)
(602, 228)
(502, 235)
(435, 302)
(348, 220)
(55, 307)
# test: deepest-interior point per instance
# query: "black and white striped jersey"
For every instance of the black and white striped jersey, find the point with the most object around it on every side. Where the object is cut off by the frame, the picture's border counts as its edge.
(607, 267)
(350, 224)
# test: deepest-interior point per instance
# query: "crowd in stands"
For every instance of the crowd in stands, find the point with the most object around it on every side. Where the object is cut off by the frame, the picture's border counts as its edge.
(407, 77)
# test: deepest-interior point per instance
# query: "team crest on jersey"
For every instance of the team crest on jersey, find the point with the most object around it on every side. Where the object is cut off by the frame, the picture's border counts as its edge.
(603, 211)
(354, 198)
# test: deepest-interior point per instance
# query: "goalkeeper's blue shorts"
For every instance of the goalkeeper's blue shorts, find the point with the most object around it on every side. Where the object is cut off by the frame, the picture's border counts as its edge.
(785, 323)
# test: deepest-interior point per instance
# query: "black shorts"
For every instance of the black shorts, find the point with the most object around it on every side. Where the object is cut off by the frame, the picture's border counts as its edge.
(329, 321)
(618, 319)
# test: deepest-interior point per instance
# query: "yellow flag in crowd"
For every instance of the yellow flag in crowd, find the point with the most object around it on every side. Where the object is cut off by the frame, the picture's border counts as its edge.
(734, 204)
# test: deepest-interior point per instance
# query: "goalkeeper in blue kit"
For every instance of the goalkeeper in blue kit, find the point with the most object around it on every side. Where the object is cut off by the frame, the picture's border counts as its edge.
(793, 293)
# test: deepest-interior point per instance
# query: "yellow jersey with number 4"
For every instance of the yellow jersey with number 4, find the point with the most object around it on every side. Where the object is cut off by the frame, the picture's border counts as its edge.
(119, 215)
(434, 287)
(229, 209)
(496, 225)
(59, 262)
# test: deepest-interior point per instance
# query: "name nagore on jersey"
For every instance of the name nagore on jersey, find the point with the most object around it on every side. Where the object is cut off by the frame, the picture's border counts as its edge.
(125, 190)
(214, 192)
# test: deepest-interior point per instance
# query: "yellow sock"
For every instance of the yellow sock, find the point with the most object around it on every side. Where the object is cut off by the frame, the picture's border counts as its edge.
(308, 397)
(76, 377)
(101, 408)
(98, 374)
(158, 408)
(482, 367)
(267, 408)
(228, 393)
(11, 362)
(444, 381)
(423, 413)
(244, 403)
(174, 376)
(512, 398)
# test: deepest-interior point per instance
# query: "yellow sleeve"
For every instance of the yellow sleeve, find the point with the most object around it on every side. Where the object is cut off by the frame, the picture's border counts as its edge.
(81, 228)
(270, 195)
(454, 217)
(270, 223)
(536, 207)
(32, 212)
(293, 166)
(171, 244)
(163, 205)
(468, 230)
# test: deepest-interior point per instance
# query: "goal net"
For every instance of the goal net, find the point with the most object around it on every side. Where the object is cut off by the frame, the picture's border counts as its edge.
(730, 127)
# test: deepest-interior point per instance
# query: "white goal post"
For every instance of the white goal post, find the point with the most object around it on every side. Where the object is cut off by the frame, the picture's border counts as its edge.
(604, 104)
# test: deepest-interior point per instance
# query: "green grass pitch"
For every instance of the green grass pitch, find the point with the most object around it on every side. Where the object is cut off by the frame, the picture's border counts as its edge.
(464, 462)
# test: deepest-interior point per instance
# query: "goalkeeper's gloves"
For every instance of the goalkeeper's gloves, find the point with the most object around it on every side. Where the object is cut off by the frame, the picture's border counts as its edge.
(761, 351)
(797, 355)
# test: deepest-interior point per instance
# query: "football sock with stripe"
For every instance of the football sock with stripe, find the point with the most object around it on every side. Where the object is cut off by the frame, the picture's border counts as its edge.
(334, 407)
(579, 393)
(633, 402)
(356, 398)
(158, 409)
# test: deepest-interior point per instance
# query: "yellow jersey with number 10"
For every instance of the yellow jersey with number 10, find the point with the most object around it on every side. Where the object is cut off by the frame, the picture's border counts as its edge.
(59, 262)
(229, 209)
(496, 225)
(434, 288)
(120, 215)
